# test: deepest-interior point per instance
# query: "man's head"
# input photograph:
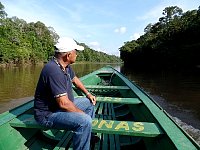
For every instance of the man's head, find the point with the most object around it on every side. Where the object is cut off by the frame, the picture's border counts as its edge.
(66, 44)
(66, 48)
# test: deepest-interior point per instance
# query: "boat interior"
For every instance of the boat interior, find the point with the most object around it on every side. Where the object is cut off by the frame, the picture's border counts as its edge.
(132, 116)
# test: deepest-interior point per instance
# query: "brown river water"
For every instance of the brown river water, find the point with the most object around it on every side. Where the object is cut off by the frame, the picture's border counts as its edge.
(178, 92)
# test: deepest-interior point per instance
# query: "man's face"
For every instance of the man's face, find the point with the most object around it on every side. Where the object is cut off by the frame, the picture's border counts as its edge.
(72, 56)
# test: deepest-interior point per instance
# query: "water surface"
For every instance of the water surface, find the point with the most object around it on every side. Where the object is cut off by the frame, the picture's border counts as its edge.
(178, 92)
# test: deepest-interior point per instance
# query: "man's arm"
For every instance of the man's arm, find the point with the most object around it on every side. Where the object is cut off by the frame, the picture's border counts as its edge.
(67, 105)
(80, 85)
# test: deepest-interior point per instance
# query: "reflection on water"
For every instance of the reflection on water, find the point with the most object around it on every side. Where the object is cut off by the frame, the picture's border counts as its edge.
(178, 92)
(83, 69)
(16, 83)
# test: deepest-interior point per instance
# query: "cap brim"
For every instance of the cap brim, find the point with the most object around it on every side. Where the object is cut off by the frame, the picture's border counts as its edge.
(80, 48)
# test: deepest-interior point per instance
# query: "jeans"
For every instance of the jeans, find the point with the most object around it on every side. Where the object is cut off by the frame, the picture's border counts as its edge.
(79, 123)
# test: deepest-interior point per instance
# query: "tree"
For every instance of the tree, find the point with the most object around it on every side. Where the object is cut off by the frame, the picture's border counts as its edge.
(170, 13)
(174, 37)
(22, 42)
(148, 28)
(3, 14)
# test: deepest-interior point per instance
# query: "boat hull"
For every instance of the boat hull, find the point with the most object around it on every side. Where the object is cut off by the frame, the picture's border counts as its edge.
(125, 117)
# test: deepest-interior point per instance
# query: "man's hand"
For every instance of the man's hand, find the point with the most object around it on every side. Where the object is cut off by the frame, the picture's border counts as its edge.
(91, 98)
(80, 85)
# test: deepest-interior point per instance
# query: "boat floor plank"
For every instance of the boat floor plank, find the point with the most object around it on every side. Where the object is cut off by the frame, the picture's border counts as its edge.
(114, 143)
(64, 141)
(107, 140)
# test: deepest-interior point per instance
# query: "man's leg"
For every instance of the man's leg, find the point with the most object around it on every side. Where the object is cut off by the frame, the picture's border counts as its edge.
(80, 123)
(85, 105)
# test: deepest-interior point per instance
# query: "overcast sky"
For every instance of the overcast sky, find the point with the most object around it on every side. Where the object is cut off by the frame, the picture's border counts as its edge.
(103, 25)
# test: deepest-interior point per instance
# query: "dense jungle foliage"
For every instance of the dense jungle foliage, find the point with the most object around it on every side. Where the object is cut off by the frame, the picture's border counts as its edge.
(22, 42)
(173, 41)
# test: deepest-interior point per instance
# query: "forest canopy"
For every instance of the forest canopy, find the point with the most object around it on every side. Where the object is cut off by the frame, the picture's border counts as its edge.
(173, 41)
(22, 42)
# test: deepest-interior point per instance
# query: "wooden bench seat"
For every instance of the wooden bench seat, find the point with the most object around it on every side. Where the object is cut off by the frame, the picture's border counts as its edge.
(104, 124)
(26, 121)
(117, 100)
(105, 87)
(130, 128)
(143, 129)
(103, 90)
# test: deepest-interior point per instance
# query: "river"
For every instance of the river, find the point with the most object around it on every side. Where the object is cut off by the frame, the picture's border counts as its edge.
(178, 92)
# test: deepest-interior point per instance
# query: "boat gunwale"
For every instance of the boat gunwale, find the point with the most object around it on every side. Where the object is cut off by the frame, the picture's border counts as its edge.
(13, 113)
(189, 141)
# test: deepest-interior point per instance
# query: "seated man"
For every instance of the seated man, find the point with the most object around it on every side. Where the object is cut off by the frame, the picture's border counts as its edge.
(55, 105)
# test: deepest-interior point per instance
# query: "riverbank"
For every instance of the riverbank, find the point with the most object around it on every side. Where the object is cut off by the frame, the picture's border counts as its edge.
(6, 65)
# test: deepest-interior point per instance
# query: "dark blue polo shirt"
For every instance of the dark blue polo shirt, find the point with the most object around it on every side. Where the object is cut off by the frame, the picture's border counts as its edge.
(53, 82)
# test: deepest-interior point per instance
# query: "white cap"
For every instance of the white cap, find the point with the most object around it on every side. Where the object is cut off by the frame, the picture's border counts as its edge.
(66, 44)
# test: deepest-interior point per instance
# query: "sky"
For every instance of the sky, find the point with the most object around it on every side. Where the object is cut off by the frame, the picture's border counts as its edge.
(102, 25)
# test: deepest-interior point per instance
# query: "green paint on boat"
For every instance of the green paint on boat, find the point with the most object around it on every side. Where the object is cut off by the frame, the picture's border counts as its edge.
(125, 118)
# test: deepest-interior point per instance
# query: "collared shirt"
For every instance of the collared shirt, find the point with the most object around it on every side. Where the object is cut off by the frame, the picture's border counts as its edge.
(54, 82)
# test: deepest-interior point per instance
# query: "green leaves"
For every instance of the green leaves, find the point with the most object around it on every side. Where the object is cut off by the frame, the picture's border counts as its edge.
(3, 14)
(174, 37)
(22, 42)
(91, 55)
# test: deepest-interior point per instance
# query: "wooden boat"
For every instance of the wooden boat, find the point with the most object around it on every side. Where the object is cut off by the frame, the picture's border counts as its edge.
(126, 118)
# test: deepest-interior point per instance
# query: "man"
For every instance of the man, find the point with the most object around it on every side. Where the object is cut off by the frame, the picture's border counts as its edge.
(55, 105)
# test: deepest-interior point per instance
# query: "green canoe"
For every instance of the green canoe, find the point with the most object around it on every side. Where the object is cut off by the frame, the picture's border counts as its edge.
(126, 118)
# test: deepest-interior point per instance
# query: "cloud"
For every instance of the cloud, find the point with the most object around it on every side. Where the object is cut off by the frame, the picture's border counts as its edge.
(94, 44)
(73, 14)
(135, 36)
(155, 13)
(120, 30)
(152, 15)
